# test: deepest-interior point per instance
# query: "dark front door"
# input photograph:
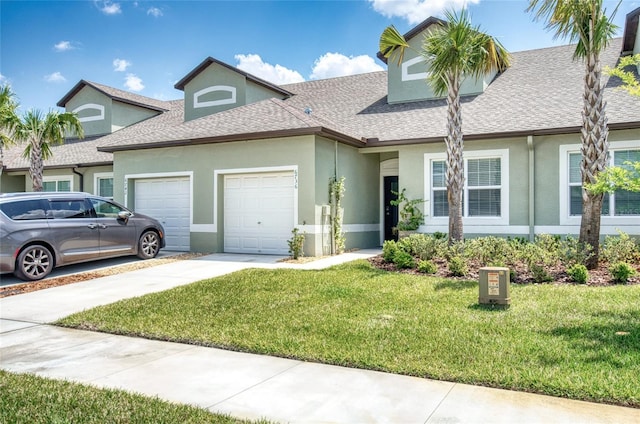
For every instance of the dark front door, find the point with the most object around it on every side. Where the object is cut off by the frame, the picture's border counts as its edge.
(390, 211)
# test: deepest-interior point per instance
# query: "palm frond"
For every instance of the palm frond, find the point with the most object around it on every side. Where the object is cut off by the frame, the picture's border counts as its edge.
(392, 43)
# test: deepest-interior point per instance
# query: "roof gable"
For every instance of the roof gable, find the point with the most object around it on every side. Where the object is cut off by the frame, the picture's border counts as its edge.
(117, 95)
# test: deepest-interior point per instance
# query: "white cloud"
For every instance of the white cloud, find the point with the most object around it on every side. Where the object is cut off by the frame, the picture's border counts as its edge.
(120, 65)
(416, 11)
(332, 65)
(133, 83)
(155, 12)
(63, 46)
(109, 8)
(55, 77)
(276, 74)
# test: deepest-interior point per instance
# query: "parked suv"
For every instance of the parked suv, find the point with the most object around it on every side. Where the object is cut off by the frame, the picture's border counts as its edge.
(41, 231)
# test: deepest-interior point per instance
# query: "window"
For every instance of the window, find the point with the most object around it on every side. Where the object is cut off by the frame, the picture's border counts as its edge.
(482, 193)
(105, 187)
(106, 209)
(621, 203)
(56, 184)
(65, 209)
(23, 210)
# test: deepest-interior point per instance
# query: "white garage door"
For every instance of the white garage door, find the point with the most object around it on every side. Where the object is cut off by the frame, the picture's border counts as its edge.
(258, 212)
(167, 200)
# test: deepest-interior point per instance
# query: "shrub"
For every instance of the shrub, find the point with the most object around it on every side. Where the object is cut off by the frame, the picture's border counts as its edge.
(571, 251)
(621, 248)
(578, 273)
(489, 249)
(403, 259)
(540, 274)
(296, 244)
(423, 246)
(389, 249)
(458, 266)
(427, 267)
(621, 271)
(411, 217)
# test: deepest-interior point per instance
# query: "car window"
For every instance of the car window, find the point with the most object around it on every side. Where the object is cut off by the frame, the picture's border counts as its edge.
(25, 209)
(65, 209)
(106, 209)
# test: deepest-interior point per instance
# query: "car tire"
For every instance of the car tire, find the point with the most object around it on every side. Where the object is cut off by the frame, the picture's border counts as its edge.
(34, 263)
(148, 245)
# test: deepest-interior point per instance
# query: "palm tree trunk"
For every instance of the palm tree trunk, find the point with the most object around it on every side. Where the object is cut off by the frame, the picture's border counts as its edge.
(455, 161)
(595, 151)
(36, 165)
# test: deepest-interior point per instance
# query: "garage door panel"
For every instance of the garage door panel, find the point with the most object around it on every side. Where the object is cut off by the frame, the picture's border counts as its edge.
(265, 213)
(167, 200)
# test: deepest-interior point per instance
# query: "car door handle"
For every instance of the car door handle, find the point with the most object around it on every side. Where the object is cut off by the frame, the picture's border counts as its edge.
(102, 226)
(92, 226)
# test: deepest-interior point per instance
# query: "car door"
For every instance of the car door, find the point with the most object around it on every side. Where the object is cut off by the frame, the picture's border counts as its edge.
(117, 235)
(74, 230)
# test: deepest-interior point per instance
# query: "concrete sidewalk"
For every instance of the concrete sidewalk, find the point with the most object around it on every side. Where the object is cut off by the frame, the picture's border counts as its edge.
(246, 385)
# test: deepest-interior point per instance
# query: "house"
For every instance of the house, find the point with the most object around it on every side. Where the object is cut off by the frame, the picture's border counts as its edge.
(238, 162)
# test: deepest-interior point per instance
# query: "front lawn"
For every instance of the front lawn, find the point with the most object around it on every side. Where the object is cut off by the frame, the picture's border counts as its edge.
(572, 341)
(29, 399)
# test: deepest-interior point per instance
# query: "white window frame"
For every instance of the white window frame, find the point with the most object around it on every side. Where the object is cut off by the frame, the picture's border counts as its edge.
(500, 221)
(96, 182)
(57, 179)
(565, 210)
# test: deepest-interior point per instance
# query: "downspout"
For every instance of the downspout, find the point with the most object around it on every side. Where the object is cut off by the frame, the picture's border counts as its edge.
(334, 208)
(79, 174)
(532, 209)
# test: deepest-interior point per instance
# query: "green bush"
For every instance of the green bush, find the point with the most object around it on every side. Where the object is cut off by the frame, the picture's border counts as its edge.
(578, 273)
(389, 249)
(571, 251)
(403, 259)
(427, 267)
(540, 274)
(296, 244)
(489, 249)
(621, 272)
(621, 248)
(423, 246)
(458, 266)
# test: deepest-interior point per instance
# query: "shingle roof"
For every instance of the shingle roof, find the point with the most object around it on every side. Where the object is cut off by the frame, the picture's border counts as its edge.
(540, 94)
(116, 94)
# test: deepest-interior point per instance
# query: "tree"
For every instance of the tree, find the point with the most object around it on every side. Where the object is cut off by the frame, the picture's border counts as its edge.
(586, 22)
(40, 132)
(453, 51)
(614, 178)
(8, 118)
(629, 81)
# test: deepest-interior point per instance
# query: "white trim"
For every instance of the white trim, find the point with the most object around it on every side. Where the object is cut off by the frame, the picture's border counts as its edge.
(260, 170)
(522, 230)
(484, 221)
(187, 174)
(606, 230)
(97, 176)
(605, 221)
(92, 106)
(407, 76)
(388, 168)
(228, 101)
(349, 228)
(57, 179)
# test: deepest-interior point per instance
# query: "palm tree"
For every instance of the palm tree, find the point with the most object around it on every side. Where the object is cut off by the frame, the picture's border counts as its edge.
(586, 22)
(8, 119)
(40, 132)
(453, 52)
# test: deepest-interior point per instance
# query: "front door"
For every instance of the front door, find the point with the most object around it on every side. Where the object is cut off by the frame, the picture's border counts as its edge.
(390, 211)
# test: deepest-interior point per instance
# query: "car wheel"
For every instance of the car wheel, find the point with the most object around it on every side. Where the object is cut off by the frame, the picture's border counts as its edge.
(34, 263)
(148, 245)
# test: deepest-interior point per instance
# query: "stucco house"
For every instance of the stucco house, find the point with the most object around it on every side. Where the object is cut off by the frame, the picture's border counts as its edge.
(238, 162)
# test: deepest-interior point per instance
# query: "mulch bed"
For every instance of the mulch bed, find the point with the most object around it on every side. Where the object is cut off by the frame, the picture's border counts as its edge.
(597, 277)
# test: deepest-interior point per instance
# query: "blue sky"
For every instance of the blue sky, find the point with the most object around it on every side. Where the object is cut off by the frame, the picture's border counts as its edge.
(46, 47)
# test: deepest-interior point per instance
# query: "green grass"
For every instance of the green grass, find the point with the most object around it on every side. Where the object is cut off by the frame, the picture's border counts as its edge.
(559, 340)
(29, 399)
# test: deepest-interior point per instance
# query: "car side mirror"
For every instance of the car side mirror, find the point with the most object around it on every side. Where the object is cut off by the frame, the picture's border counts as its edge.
(124, 215)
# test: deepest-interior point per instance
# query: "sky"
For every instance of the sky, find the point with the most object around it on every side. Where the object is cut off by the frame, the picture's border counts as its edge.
(145, 47)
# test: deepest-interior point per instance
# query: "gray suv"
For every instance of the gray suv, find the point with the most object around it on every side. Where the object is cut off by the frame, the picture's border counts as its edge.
(41, 231)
